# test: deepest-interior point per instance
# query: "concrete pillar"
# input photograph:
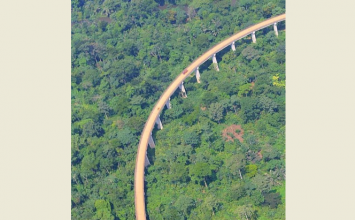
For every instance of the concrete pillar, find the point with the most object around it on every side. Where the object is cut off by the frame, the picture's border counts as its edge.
(275, 29)
(151, 141)
(253, 37)
(181, 86)
(168, 105)
(158, 122)
(233, 46)
(214, 60)
(198, 75)
(146, 161)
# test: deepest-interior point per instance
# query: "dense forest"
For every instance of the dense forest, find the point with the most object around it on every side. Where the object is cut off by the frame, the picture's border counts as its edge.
(221, 154)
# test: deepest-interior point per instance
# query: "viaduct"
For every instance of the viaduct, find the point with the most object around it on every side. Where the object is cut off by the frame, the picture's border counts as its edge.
(164, 100)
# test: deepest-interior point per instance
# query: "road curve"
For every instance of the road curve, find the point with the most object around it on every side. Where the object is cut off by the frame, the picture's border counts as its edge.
(149, 125)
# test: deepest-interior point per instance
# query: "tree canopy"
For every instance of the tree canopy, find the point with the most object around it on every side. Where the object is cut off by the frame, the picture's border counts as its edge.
(124, 55)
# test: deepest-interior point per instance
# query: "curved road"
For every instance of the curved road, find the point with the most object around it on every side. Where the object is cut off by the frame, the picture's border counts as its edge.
(149, 125)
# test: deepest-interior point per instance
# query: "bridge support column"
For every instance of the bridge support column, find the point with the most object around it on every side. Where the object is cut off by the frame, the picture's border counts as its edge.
(151, 141)
(181, 86)
(158, 122)
(168, 105)
(214, 60)
(233, 46)
(253, 37)
(198, 75)
(275, 29)
(146, 161)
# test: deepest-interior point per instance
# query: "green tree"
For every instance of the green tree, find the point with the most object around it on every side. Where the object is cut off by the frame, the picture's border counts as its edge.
(251, 170)
(250, 109)
(244, 90)
(103, 210)
(211, 203)
(202, 40)
(216, 111)
(172, 16)
(104, 108)
(246, 212)
(250, 53)
(200, 171)
(191, 137)
(184, 204)
(178, 172)
(171, 213)
(235, 192)
(272, 200)
(235, 164)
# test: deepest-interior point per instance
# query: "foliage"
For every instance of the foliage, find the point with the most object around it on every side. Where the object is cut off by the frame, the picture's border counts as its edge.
(124, 55)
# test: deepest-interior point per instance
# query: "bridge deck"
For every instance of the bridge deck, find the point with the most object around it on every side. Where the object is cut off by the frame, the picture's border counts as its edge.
(143, 144)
